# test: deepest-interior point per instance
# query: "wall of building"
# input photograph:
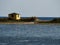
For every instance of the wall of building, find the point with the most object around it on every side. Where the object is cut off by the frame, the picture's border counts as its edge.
(17, 17)
(14, 17)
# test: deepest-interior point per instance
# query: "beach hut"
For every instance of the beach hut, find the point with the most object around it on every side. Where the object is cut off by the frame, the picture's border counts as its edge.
(14, 16)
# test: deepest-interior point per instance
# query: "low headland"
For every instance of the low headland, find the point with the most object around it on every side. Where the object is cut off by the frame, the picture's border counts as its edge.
(29, 20)
(15, 18)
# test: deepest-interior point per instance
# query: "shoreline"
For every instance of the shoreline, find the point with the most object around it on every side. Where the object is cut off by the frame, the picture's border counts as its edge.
(25, 23)
(16, 22)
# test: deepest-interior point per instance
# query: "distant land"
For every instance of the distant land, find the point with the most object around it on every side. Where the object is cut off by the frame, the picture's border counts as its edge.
(41, 18)
(49, 20)
(15, 18)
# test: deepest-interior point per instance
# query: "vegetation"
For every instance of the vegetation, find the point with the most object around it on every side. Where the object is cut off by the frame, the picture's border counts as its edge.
(30, 19)
(55, 20)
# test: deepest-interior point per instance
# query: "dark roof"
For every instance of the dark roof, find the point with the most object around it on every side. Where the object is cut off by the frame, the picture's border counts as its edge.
(14, 14)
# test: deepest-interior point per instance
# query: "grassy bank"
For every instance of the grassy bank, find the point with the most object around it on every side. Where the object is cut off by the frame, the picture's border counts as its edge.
(29, 20)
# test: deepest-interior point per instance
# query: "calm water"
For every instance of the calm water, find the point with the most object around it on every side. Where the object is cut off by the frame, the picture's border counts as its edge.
(33, 34)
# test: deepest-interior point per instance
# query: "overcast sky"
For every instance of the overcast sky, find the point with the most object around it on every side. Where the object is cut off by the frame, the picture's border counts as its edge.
(39, 8)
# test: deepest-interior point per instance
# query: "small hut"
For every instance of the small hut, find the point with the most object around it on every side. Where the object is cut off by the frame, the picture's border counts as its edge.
(14, 16)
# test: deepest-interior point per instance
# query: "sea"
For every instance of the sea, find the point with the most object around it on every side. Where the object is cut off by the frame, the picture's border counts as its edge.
(29, 34)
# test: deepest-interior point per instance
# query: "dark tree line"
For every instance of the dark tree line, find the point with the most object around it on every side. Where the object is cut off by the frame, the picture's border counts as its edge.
(55, 20)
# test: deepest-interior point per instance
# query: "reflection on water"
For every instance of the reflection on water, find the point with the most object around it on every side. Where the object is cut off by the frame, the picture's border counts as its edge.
(29, 34)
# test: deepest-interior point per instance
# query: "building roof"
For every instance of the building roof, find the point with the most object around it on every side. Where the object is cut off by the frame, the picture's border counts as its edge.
(14, 14)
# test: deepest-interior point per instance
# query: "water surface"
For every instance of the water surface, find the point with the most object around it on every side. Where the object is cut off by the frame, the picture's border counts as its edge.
(29, 34)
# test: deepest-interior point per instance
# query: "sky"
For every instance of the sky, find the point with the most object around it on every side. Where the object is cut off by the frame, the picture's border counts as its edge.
(28, 8)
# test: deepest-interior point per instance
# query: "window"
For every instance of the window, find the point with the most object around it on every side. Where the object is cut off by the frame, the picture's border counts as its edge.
(12, 16)
(18, 15)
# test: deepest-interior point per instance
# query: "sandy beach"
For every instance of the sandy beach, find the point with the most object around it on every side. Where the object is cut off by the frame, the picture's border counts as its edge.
(26, 23)
(16, 22)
